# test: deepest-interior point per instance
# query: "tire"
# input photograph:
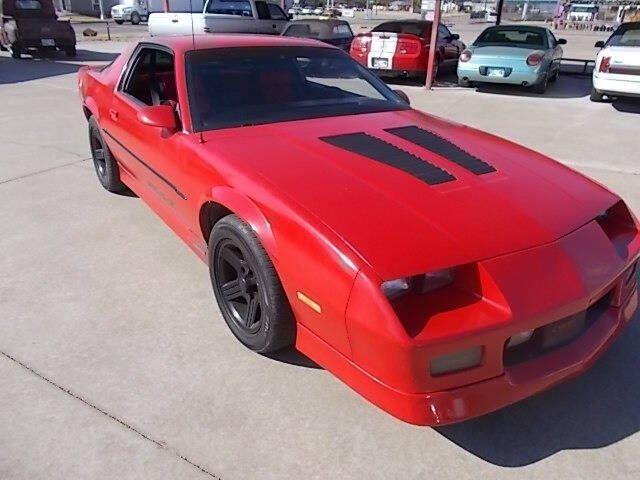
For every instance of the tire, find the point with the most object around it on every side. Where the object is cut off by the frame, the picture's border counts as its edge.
(103, 161)
(248, 289)
(555, 76)
(70, 51)
(16, 51)
(119, 22)
(541, 86)
(596, 96)
(135, 18)
(464, 83)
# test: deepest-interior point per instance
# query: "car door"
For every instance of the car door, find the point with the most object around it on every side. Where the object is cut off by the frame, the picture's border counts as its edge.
(149, 153)
(271, 18)
(556, 52)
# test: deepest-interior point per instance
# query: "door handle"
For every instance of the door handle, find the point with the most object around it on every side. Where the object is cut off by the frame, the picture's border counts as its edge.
(113, 114)
(174, 20)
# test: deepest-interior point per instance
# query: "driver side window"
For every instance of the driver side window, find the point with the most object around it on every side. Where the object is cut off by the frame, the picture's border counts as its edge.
(152, 80)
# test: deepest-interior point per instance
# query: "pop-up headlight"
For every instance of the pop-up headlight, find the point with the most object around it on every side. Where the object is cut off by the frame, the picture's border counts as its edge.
(419, 283)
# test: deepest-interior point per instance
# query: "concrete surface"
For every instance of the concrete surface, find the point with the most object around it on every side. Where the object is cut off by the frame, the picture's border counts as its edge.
(115, 362)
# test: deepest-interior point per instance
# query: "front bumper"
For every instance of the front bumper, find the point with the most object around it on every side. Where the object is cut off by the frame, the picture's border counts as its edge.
(616, 86)
(516, 74)
(588, 270)
(121, 16)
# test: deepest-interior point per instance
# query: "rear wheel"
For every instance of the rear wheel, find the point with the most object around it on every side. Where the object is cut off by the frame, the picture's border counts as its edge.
(135, 18)
(16, 51)
(596, 96)
(104, 163)
(542, 85)
(247, 288)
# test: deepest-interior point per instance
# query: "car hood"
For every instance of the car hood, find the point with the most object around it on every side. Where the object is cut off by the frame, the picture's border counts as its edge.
(397, 223)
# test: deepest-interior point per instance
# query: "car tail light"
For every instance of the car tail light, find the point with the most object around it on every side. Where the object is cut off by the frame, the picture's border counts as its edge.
(534, 59)
(407, 46)
(605, 64)
(456, 361)
(361, 44)
(465, 56)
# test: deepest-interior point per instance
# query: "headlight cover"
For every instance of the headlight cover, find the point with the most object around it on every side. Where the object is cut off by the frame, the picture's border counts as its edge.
(425, 283)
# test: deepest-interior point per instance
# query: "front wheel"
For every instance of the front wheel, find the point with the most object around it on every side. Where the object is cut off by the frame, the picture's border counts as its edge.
(119, 22)
(463, 83)
(135, 18)
(248, 289)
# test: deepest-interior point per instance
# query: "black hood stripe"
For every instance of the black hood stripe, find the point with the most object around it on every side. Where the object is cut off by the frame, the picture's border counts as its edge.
(442, 147)
(383, 152)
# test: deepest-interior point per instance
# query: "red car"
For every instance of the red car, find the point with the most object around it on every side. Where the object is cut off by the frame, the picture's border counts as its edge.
(438, 270)
(401, 48)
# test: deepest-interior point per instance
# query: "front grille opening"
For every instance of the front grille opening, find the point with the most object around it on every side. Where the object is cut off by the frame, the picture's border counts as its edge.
(558, 334)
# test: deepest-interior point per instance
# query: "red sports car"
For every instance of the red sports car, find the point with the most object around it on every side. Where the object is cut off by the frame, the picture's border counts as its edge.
(401, 48)
(438, 270)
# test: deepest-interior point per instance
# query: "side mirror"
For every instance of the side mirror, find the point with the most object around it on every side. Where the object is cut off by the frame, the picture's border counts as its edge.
(599, 44)
(163, 116)
(454, 36)
(403, 96)
(561, 41)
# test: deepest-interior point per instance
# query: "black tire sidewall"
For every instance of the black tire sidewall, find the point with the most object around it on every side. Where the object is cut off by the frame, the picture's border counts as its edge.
(110, 180)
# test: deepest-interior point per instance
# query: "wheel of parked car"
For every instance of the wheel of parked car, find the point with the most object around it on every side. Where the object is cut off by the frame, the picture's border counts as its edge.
(104, 163)
(541, 86)
(16, 51)
(119, 22)
(135, 18)
(247, 288)
(70, 51)
(463, 83)
(596, 96)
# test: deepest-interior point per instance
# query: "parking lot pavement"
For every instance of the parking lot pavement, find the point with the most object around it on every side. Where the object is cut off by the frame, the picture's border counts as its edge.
(116, 363)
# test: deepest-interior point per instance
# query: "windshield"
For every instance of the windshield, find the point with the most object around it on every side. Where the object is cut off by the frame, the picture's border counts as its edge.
(241, 8)
(419, 29)
(249, 86)
(322, 30)
(28, 5)
(512, 37)
(625, 36)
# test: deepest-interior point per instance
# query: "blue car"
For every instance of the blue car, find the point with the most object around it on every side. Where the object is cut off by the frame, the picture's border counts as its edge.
(512, 54)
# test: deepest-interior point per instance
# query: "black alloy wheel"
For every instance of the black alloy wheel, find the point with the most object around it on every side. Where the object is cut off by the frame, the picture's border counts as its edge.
(247, 287)
(104, 163)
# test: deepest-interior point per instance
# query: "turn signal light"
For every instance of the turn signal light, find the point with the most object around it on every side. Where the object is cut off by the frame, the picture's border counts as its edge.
(534, 59)
(457, 361)
(605, 64)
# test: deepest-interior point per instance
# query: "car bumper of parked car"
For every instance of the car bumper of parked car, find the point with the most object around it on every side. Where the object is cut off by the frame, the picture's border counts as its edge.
(616, 86)
(398, 73)
(44, 44)
(513, 75)
(121, 17)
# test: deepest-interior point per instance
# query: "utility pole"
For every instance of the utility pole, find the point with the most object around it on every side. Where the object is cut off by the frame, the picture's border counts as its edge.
(101, 9)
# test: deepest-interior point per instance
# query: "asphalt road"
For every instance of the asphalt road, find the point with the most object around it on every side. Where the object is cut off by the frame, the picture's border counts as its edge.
(115, 363)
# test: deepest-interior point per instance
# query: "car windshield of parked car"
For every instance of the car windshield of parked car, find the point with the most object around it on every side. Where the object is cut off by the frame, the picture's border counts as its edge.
(322, 30)
(249, 86)
(419, 29)
(512, 37)
(28, 5)
(240, 8)
(625, 37)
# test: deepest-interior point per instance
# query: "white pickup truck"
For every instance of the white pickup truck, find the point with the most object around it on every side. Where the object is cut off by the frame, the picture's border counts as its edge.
(222, 16)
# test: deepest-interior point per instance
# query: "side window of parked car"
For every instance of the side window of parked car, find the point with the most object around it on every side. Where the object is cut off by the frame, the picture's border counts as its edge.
(276, 12)
(552, 39)
(152, 80)
(263, 11)
(443, 33)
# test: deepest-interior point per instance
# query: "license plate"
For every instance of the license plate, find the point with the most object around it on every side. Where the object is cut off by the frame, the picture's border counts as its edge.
(48, 42)
(495, 72)
(380, 63)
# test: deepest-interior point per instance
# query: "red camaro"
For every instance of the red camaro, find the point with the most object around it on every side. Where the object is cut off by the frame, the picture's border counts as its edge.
(438, 270)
